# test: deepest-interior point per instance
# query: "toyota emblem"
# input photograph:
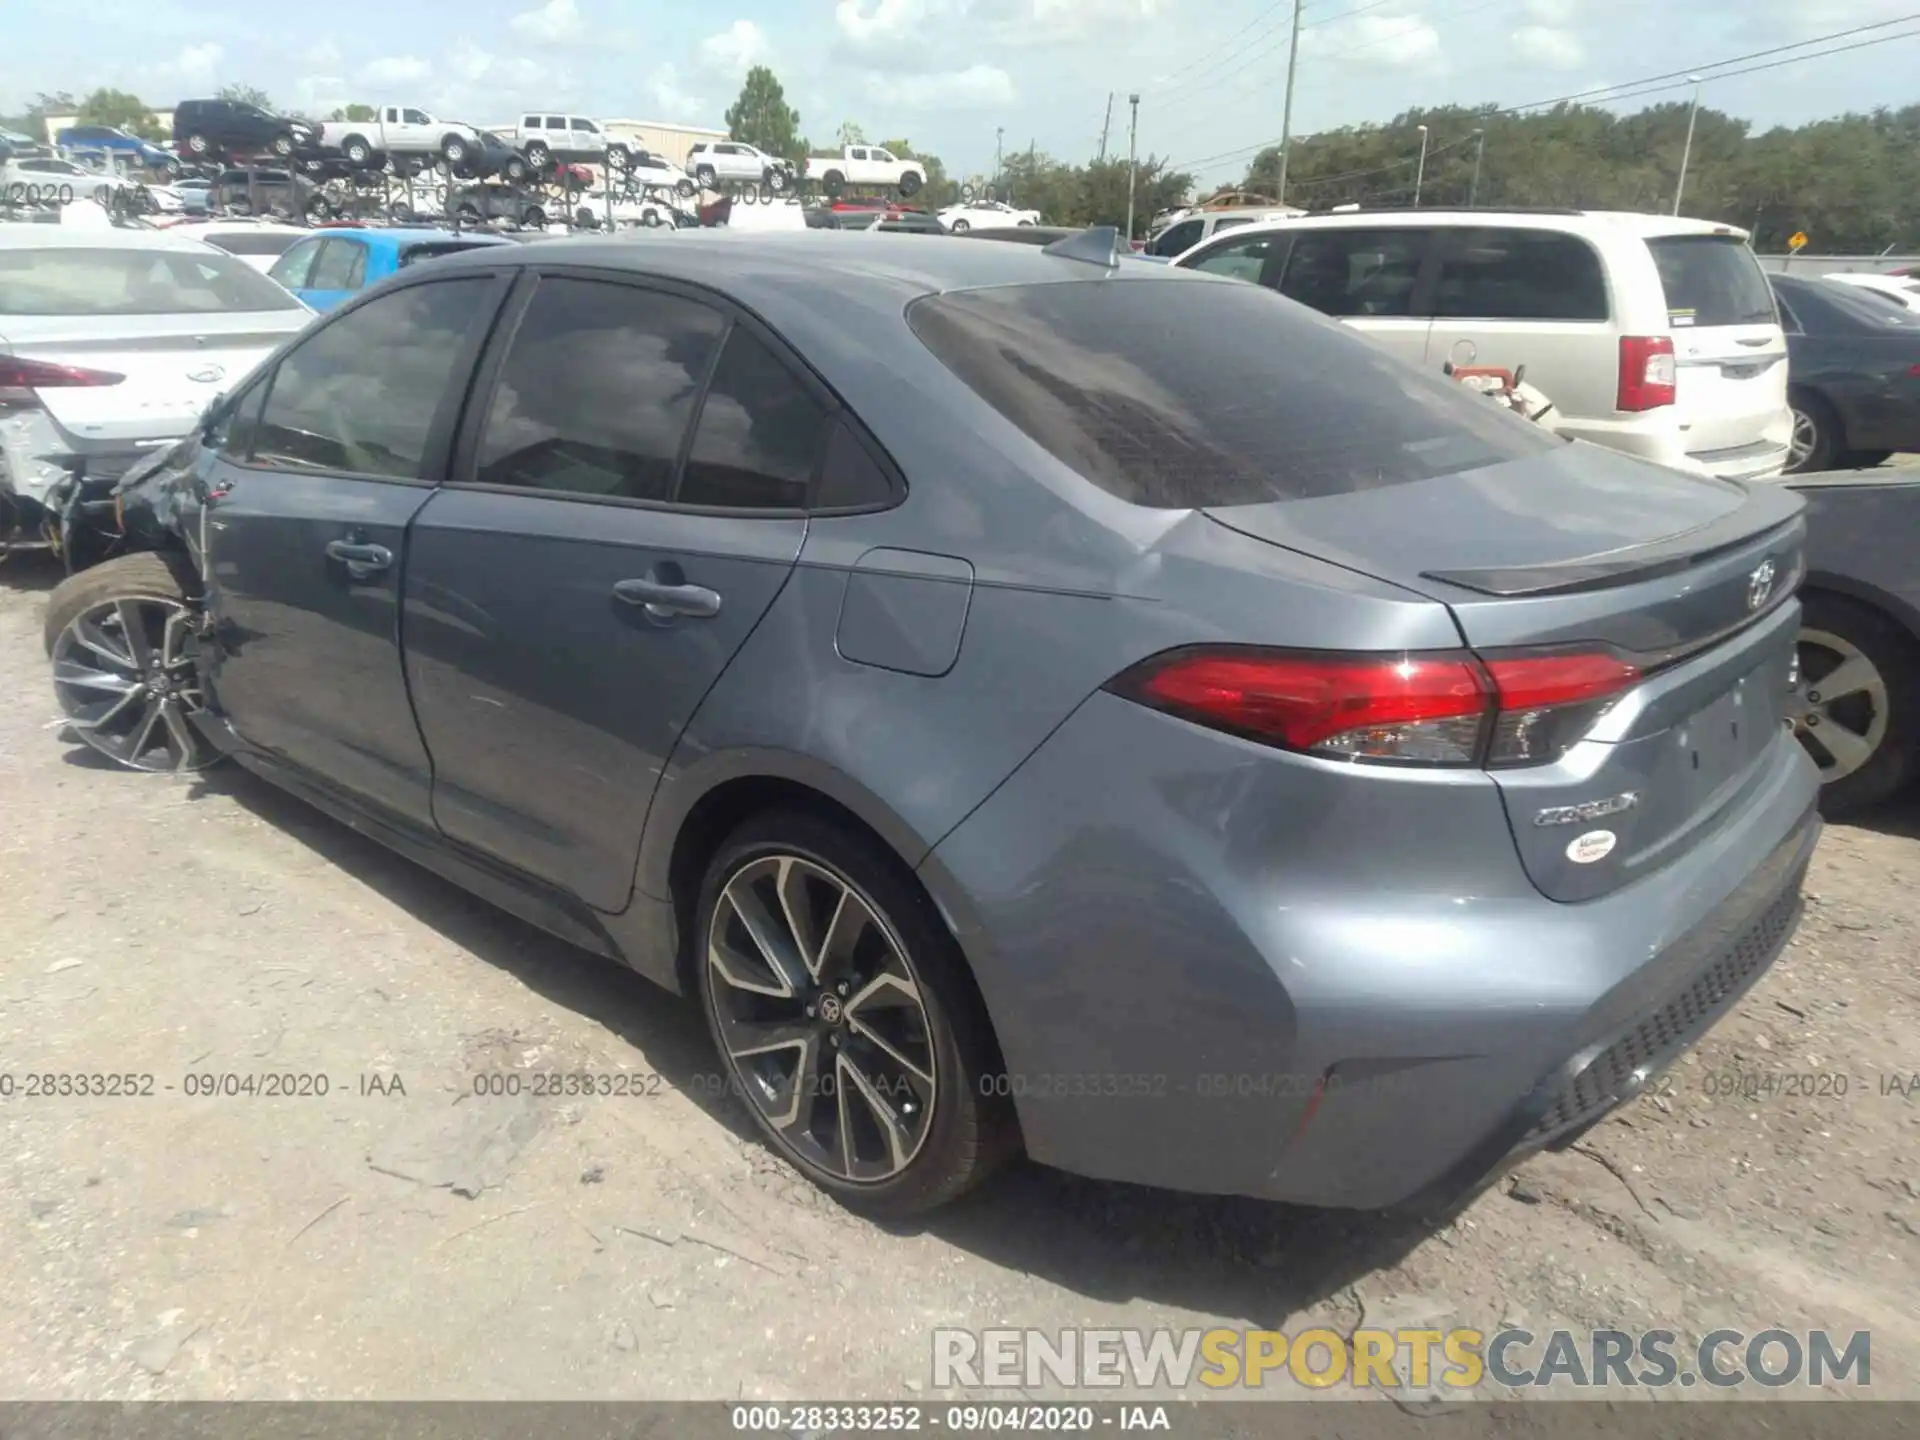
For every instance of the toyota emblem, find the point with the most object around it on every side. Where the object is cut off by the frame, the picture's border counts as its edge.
(207, 374)
(1760, 585)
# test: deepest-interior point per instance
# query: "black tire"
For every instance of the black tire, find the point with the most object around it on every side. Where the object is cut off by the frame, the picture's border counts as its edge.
(833, 182)
(468, 213)
(1894, 653)
(619, 158)
(909, 183)
(534, 219)
(970, 1133)
(1824, 446)
(453, 149)
(515, 169)
(704, 177)
(685, 188)
(357, 150)
(199, 145)
(960, 227)
(1865, 459)
(776, 180)
(282, 144)
(539, 156)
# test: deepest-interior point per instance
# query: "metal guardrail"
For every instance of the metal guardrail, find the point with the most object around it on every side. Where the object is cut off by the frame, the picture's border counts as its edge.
(1806, 264)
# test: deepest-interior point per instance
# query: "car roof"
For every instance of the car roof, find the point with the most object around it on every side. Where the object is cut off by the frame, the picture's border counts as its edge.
(1616, 222)
(397, 236)
(23, 235)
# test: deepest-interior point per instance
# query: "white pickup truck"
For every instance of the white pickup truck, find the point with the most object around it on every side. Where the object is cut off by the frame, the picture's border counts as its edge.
(866, 165)
(400, 131)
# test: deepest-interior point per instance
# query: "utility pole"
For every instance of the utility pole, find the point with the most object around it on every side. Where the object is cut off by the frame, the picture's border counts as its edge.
(1420, 175)
(1479, 154)
(1686, 154)
(999, 160)
(1286, 109)
(1105, 125)
(1133, 133)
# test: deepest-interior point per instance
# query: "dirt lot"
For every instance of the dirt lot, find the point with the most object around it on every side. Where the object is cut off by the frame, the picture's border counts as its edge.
(320, 1247)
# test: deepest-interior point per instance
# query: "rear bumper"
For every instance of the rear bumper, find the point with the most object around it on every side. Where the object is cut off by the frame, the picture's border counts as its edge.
(35, 453)
(1659, 439)
(1214, 967)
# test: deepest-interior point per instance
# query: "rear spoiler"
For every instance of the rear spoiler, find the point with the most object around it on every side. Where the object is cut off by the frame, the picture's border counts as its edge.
(1770, 512)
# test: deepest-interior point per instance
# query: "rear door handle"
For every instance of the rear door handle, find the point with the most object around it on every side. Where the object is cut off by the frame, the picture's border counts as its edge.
(361, 560)
(663, 600)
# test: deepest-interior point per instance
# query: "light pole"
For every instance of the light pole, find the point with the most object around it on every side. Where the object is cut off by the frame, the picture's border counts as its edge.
(999, 160)
(1686, 152)
(1420, 175)
(1286, 110)
(1133, 129)
(1479, 154)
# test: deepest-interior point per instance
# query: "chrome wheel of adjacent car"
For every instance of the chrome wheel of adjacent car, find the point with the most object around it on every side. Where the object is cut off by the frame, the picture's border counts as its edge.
(822, 1018)
(1806, 435)
(124, 674)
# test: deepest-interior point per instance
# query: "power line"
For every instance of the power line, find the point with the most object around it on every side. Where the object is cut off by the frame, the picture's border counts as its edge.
(1734, 60)
(1165, 85)
(1628, 89)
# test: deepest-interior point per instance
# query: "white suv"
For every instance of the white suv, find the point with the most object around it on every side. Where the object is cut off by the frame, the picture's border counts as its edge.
(712, 160)
(1652, 335)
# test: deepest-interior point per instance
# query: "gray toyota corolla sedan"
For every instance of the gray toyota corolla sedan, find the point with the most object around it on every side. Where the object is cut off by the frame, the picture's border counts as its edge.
(1030, 700)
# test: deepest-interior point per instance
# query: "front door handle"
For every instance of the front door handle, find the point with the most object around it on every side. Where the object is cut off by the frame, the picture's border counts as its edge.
(361, 560)
(664, 600)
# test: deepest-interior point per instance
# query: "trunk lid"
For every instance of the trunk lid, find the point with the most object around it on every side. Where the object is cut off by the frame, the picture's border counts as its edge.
(174, 367)
(1730, 353)
(1588, 548)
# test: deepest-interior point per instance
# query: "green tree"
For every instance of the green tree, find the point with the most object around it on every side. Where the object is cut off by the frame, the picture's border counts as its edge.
(851, 134)
(762, 117)
(127, 111)
(355, 114)
(245, 95)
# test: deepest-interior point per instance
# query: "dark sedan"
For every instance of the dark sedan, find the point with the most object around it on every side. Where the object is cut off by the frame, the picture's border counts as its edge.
(1855, 382)
(492, 156)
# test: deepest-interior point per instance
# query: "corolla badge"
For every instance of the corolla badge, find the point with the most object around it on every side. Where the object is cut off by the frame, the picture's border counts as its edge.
(1591, 810)
(1760, 585)
(207, 374)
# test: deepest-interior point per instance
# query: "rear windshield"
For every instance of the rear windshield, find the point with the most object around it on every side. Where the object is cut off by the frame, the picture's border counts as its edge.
(1711, 280)
(1177, 395)
(253, 242)
(133, 282)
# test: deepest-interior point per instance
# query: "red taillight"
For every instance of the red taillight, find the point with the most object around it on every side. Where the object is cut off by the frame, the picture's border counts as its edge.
(1647, 374)
(1452, 708)
(1914, 371)
(1426, 708)
(17, 373)
(1547, 701)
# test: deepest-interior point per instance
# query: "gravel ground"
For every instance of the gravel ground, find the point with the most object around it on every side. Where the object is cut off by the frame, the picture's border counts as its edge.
(384, 1241)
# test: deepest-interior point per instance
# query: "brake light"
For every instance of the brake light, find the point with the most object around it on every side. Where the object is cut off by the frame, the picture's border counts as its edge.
(1647, 374)
(17, 373)
(1450, 708)
(1546, 702)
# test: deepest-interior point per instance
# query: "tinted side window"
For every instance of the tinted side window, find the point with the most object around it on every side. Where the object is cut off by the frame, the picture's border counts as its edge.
(850, 478)
(1172, 394)
(598, 390)
(1355, 272)
(360, 395)
(1183, 236)
(759, 435)
(556, 122)
(234, 435)
(335, 269)
(1243, 259)
(1520, 275)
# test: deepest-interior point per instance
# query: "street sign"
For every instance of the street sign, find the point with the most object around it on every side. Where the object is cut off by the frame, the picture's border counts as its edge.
(1799, 241)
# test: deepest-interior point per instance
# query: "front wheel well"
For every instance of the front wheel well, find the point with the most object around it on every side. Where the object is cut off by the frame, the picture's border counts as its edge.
(727, 807)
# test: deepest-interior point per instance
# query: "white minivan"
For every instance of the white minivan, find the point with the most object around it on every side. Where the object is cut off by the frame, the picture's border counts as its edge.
(1651, 334)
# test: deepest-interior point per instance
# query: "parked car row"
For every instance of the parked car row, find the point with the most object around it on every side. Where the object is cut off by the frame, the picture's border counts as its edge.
(1239, 614)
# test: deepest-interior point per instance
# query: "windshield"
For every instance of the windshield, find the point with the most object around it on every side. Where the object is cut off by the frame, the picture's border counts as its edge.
(1175, 395)
(1712, 280)
(62, 281)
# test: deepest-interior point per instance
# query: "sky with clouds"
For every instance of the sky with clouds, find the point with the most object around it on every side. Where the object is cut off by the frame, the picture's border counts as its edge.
(951, 75)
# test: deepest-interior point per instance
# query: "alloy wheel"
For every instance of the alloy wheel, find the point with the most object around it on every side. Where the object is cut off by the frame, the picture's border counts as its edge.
(1806, 436)
(124, 674)
(1839, 707)
(821, 1016)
